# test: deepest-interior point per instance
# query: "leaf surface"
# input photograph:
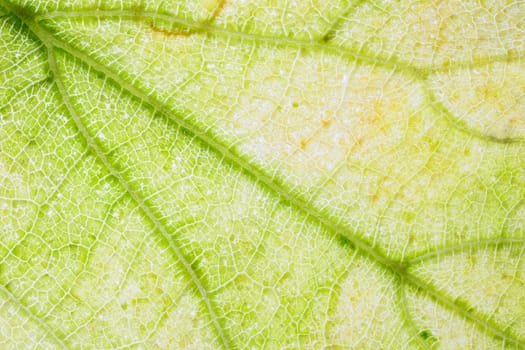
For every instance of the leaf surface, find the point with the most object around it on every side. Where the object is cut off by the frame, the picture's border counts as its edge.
(262, 174)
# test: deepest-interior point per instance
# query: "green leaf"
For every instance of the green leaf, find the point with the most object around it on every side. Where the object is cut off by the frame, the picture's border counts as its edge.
(262, 174)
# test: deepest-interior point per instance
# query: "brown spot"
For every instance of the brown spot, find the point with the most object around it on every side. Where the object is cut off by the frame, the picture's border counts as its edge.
(159, 33)
(218, 10)
(303, 143)
(326, 123)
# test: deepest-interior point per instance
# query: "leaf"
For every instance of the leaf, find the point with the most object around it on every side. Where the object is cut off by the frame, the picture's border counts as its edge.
(262, 174)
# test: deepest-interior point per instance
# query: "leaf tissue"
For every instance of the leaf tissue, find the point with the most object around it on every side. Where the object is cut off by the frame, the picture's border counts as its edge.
(262, 174)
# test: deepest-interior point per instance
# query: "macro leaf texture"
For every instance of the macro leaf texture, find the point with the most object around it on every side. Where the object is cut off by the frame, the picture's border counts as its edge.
(262, 174)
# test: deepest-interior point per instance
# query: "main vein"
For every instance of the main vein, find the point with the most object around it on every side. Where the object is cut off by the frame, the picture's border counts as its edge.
(420, 70)
(97, 150)
(93, 145)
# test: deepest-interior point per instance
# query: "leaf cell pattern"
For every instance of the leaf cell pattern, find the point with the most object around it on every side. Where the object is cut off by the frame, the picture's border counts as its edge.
(262, 174)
